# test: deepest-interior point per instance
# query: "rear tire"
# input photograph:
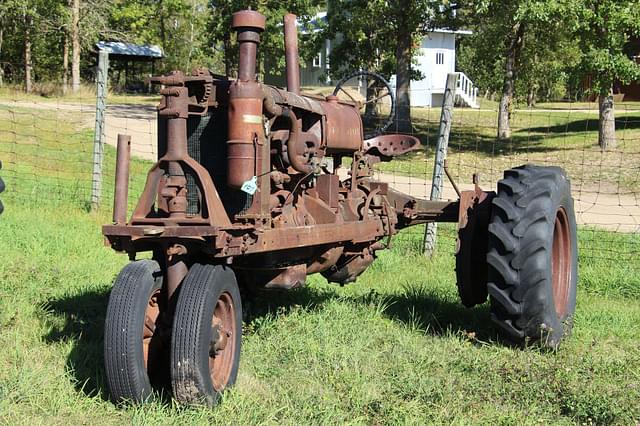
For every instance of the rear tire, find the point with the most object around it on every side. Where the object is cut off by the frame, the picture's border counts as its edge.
(533, 256)
(133, 341)
(207, 334)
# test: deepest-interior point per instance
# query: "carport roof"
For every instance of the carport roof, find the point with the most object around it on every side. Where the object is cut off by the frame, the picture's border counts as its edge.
(130, 49)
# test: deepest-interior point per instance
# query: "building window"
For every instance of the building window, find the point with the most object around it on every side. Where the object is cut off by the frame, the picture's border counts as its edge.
(317, 61)
(439, 58)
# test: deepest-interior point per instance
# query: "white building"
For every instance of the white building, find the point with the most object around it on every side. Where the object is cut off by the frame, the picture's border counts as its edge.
(436, 59)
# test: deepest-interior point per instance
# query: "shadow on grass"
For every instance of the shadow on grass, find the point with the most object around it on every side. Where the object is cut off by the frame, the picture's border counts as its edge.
(625, 122)
(481, 140)
(420, 308)
(259, 303)
(83, 316)
(416, 307)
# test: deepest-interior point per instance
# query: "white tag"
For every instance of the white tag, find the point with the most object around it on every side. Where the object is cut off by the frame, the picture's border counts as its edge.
(250, 186)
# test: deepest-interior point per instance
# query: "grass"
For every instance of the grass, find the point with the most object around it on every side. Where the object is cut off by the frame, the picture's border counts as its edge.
(565, 138)
(394, 348)
(51, 93)
(48, 155)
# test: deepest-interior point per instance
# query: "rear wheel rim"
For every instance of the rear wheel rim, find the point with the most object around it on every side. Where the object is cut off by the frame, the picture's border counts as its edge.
(561, 261)
(223, 341)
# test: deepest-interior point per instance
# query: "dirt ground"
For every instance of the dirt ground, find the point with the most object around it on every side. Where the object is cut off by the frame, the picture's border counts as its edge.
(617, 212)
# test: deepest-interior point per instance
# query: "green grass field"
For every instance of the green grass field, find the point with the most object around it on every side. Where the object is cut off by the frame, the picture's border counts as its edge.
(394, 348)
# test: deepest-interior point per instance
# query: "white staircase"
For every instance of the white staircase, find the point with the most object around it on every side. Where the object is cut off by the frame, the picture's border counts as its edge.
(466, 92)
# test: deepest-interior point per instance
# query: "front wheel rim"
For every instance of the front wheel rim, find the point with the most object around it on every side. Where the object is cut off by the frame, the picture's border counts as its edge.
(561, 262)
(222, 351)
(151, 314)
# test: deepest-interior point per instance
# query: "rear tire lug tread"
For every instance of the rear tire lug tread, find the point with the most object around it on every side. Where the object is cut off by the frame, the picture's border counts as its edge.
(520, 239)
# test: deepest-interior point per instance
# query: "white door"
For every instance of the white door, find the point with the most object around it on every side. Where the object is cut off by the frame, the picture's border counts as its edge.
(440, 69)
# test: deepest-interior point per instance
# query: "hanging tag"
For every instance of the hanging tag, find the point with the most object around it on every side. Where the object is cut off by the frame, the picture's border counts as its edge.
(250, 186)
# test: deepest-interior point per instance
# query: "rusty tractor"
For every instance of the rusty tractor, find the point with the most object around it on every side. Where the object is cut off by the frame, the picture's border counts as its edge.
(258, 187)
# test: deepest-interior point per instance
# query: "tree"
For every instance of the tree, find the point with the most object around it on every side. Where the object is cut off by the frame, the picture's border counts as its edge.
(505, 28)
(382, 36)
(28, 64)
(547, 62)
(604, 29)
(75, 45)
(271, 53)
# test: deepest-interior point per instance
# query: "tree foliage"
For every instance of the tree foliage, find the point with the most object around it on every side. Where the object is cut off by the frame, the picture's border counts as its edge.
(515, 43)
(604, 28)
(381, 36)
(272, 41)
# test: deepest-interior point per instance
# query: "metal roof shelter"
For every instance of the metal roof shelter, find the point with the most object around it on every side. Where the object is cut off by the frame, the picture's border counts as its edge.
(134, 60)
(142, 51)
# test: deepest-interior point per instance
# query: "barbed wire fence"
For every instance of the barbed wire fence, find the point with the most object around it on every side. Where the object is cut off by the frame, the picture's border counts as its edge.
(47, 150)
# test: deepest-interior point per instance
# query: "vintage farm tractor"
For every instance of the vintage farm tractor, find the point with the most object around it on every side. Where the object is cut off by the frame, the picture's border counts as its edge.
(248, 193)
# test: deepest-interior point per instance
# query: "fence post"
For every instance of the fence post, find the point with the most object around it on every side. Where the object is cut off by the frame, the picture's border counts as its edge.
(98, 138)
(441, 155)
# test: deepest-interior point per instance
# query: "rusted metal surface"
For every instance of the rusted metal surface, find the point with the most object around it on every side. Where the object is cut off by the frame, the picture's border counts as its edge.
(561, 262)
(296, 216)
(246, 131)
(223, 337)
(451, 180)
(344, 127)
(176, 261)
(288, 278)
(472, 245)
(164, 196)
(150, 353)
(249, 24)
(121, 195)
(291, 53)
(255, 186)
(388, 146)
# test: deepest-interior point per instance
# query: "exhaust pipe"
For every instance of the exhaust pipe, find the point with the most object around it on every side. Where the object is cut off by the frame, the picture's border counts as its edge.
(291, 53)
(121, 196)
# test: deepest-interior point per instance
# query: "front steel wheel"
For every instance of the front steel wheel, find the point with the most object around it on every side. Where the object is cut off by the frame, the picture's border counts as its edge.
(207, 333)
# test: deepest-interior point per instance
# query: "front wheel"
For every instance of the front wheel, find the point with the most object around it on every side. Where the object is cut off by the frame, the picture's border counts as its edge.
(533, 255)
(135, 338)
(207, 333)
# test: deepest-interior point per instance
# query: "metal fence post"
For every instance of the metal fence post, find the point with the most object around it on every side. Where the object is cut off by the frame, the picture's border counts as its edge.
(441, 155)
(98, 138)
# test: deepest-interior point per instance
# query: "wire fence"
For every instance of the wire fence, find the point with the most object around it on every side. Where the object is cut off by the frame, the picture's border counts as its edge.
(46, 146)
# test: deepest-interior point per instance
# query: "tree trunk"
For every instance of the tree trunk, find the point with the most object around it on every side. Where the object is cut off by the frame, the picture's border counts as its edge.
(370, 107)
(75, 46)
(227, 54)
(607, 122)
(163, 29)
(403, 76)
(1, 40)
(28, 84)
(531, 96)
(508, 87)
(65, 64)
